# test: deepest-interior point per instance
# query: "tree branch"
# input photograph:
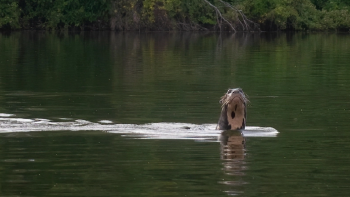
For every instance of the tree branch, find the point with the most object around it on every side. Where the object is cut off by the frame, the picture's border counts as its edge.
(244, 18)
(244, 21)
(219, 13)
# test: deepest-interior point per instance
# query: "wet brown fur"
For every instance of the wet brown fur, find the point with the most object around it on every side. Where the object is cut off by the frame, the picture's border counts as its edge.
(233, 110)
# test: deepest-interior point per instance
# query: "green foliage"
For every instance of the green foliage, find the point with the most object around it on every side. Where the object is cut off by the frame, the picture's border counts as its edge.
(258, 9)
(331, 4)
(9, 14)
(125, 14)
(190, 11)
(62, 13)
(172, 14)
(299, 14)
(336, 19)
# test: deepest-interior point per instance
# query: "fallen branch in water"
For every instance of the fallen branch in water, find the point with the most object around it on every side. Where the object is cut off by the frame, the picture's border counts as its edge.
(244, 21)
(219, 13)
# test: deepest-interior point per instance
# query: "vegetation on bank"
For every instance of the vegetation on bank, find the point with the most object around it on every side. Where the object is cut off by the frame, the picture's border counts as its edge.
(268, 15)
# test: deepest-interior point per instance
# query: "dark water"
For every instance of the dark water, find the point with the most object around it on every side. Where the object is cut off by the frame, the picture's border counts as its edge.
(297, 83)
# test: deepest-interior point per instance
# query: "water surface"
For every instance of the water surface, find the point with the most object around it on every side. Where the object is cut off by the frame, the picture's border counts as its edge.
(297, 84)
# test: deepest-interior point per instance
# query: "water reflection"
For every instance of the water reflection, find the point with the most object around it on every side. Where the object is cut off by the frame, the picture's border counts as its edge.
(232, 144)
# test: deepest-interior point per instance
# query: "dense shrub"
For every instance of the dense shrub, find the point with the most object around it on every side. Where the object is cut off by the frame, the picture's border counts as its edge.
(173, 14)
(299, 14)
(9, 14)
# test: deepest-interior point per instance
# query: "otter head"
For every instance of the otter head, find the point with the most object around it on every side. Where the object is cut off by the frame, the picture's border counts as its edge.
(233, 111)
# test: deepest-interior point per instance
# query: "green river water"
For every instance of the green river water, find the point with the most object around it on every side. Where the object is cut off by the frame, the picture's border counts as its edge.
(297, 83)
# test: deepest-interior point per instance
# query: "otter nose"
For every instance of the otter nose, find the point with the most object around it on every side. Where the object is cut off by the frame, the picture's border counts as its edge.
(229, 91)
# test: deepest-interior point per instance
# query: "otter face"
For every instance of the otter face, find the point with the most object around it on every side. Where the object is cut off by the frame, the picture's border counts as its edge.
(233, 111)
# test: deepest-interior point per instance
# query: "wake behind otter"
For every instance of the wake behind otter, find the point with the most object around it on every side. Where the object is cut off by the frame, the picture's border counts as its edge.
(163, 130)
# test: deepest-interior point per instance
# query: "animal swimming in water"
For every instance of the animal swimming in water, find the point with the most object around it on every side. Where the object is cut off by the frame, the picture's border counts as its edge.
(233, 110)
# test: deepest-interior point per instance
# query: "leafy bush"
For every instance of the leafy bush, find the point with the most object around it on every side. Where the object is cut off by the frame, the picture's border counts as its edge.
(9, 14)
(177, 13)
(65, 13)
(336, 19)
(331, 4)
(125, 14)
(299, 14)
(172, 14)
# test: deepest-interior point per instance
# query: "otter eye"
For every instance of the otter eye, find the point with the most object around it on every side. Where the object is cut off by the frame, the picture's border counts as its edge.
(229, 91)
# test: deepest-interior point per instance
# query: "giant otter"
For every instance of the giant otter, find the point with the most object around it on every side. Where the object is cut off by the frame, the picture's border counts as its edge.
(233, 110)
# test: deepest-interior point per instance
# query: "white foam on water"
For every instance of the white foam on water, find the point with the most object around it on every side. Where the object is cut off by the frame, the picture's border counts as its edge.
(163, 130)
(6, 115)
(17, 119)
(260, 132)
(105, 122)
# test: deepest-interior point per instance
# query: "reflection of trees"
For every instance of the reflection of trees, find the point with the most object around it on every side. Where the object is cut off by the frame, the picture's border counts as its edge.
(147, 66)
(167, 76)
(151, 77)
(9, 46)
(55, 75)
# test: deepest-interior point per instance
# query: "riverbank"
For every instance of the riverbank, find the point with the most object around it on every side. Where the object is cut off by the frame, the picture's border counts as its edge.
(172, 15)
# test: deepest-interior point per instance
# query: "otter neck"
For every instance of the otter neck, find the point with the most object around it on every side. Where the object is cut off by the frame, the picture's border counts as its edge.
(223, 121)
(233, 116)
